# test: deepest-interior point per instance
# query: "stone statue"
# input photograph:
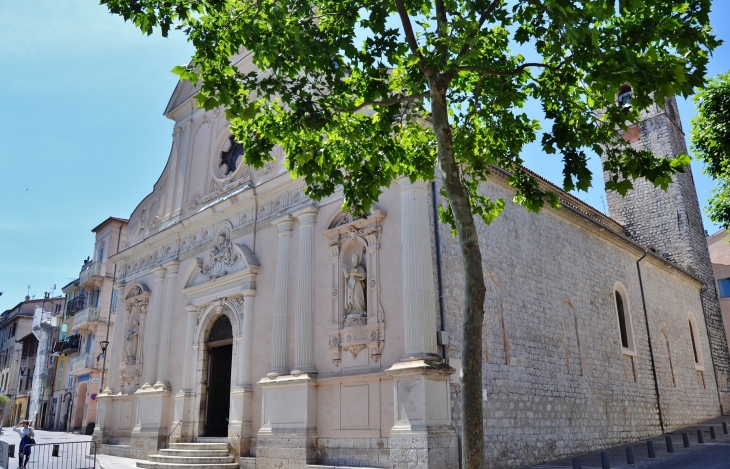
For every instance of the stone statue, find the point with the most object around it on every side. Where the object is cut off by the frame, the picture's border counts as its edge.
(355, 298)
(130, 344)
(222, 251)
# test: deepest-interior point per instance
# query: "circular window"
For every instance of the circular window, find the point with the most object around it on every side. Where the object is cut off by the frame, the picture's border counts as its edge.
(230, 157)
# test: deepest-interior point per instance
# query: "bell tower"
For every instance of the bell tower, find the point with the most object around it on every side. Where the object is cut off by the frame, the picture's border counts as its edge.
(670, 222)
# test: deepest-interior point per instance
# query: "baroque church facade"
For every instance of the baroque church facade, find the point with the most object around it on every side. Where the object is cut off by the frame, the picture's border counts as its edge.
(298, 335)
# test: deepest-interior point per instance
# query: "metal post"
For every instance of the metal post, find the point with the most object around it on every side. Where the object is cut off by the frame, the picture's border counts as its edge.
(576, 463)
(713, 433)
(670, 443)
(724, 427)
(700, 436)
(650, 449)
(685, 439)
(604, 460)
(630, 455)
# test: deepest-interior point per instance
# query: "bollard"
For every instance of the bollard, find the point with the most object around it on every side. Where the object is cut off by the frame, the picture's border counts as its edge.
(685, 439)
(670, 443)
(650, 448)
(576, 463)
(11, 451)
(630, 455)
(700, 437)
(54, 451)
(604, 460)
(724, 427)
(713, 433)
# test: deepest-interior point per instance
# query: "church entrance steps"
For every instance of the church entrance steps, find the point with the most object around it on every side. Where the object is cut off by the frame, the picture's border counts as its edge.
(191, 455)
(212, 439)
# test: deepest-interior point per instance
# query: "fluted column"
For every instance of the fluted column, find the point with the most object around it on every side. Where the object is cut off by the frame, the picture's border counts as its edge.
(303, 355)
(118, 337)
(187, 377)
(163, 351)
(244, 359)
(419, 296)
(151, 330)
(281, 294)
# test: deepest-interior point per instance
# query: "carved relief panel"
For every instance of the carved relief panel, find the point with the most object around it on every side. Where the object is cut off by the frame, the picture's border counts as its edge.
(356, 332)
(130, 369)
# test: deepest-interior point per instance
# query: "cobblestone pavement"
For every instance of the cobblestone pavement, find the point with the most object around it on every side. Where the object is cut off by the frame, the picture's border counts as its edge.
(713, 454)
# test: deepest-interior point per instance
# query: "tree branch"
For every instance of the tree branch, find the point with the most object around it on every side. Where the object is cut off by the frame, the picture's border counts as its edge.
(492, 6)
(402, 99)
(410, 36)
(510, 73)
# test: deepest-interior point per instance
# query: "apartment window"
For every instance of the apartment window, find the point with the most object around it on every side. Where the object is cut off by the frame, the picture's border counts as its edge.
(724, 287)
(64, 331)
(101, 254)
(113, 306)
(623, 315)
(60, 373)
(89, 341)
(625, 93)
(695, 339)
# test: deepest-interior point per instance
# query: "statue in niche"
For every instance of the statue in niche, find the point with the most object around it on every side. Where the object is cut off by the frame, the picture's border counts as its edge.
(130, 344)
(355, 298)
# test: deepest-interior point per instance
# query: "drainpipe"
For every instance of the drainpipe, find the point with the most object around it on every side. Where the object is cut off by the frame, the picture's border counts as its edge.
(712, 356)
(651, 348)
(439, 270)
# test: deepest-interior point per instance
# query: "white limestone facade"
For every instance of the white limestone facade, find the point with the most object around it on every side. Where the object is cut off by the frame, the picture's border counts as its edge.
(302, 335)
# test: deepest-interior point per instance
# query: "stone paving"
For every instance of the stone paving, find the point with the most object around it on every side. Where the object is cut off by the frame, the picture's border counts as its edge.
(712, 454)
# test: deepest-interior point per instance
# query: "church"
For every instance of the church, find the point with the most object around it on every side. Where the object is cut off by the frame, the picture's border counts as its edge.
(257, 328)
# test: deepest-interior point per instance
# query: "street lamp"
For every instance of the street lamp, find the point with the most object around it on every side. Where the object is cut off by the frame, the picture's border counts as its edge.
(104, 344)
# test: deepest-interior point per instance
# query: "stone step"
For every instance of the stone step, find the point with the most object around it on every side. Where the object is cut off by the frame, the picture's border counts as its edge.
(191, 459)
(161, 465)
(329, 466)
(194, 452)
(200, 446)
(212, 439)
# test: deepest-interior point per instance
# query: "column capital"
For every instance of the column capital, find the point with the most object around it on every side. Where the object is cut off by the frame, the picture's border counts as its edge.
(192, 308)
(285, 224)
(160, 274)
(172, 268)
(406, 185)
(307, 215)
(119, 287)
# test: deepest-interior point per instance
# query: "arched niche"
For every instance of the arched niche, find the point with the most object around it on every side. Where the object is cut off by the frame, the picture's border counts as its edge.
(355, 340)
(136, 301)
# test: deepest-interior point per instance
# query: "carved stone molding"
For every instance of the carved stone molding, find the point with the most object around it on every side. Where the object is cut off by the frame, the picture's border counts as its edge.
(354, 244)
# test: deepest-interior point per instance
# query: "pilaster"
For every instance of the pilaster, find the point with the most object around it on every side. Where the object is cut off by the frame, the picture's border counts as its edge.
(163, 357)
(152, 331)
(184, 399)
(281, 294)
(117, 344)
(304, 357)
(419, 296)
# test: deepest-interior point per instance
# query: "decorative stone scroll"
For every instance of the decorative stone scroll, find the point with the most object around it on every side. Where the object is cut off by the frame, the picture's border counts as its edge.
(357, 321)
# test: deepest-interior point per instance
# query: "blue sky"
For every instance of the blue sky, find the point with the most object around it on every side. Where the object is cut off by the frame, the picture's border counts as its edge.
(82, 135)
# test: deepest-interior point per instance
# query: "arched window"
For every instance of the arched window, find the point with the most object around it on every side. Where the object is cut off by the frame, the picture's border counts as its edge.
(625, 93)
(221, 332)
(623, 316)
(695, 339)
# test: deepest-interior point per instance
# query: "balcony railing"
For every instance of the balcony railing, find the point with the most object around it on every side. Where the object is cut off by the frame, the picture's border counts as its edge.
(69, 345)
(91, 270)
(84, 318)
(75, 305)
(83, 363)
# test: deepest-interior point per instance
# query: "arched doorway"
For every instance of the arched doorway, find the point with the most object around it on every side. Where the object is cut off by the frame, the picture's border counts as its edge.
(79, 407)
(219, 344)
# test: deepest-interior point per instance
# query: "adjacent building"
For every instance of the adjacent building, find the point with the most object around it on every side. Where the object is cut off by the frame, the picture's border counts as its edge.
(719, 246)
(89, 318)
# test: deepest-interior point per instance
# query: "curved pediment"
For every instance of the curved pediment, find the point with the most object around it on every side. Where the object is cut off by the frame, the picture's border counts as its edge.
(226, 262)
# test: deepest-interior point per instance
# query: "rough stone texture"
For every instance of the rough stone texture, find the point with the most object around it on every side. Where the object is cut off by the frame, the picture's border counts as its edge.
(142, 444)
(353, 452)
(284, 451)
(421, 452)
(115, 450)
(247, 463)
(555, 378)
(671, 222)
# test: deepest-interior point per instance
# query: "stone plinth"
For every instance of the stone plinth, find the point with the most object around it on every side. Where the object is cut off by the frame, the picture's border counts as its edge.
(150, 432)
(422, 435)
(288, 433)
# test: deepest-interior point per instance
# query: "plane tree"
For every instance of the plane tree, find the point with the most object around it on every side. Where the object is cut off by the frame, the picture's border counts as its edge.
(358, 92)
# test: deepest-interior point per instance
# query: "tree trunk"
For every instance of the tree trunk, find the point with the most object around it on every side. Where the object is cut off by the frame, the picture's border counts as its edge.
(474, 289)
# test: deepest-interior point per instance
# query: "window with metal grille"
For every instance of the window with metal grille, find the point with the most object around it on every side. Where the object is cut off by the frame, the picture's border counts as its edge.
(221, 330)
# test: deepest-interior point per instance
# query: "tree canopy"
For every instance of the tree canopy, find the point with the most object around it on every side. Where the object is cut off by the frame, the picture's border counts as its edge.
(711, 143)
(357, 92)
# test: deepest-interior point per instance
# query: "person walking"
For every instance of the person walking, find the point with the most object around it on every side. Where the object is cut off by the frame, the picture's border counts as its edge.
(27, 439)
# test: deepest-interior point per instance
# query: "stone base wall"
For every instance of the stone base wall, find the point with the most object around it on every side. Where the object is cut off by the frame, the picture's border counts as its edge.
(285, 452)
(354, 452)
(142, 444)
(432, 452)
(122, 451)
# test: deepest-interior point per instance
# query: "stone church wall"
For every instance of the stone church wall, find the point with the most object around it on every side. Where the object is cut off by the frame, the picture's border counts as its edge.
(555, 379)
